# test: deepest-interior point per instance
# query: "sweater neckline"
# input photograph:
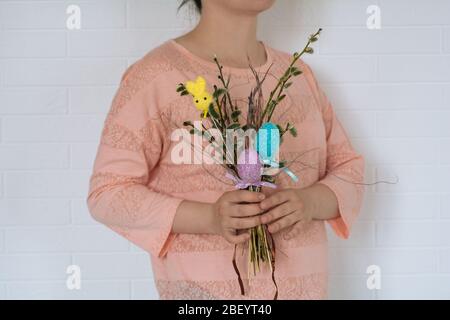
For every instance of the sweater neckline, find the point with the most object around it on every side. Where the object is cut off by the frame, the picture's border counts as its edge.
(210, 64)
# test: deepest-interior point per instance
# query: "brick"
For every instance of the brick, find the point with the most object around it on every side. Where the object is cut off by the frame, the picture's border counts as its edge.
(2, 291)
(51, 184)
(415, 287)
(414, 68)
(117, 43)
(53, 129)
(391, 261)
(446, 40)
(80, 213)
(1, 185)
(357, 124)
(343, 69)
(33, 267)
(444, 151)
(412, 178)
(297, 38)
(26, 44)
(349, 288)
(413, 124)
(407, 13)
(91, 100)
(2, 241)
(417, 234)
(114, 265)
(445, 206)
(384, 41)
(98, 14)
(28, 212)
(82, 155)
(35, 156)
(400, 206)
(295, 13)
(398, 96)
(20, 15)
(398, 151)
(444, 260)
(33, 101)
(166, 17)
(143, 290)
(55, 72)
(57, 290)
(64, 239)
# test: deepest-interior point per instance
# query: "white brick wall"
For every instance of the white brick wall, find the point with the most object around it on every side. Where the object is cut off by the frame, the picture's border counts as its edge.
(390, 88)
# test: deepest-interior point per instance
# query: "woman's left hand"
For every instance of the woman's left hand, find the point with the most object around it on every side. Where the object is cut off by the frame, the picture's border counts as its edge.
(293, 207)
(288, 207)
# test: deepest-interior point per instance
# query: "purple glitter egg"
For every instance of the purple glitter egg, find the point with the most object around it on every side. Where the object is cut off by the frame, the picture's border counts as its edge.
(249, 166)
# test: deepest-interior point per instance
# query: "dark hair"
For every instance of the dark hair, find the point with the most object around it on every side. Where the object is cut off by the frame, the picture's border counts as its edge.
(198, 4)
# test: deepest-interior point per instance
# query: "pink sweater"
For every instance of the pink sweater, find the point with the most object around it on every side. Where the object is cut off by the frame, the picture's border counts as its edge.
(135, 188)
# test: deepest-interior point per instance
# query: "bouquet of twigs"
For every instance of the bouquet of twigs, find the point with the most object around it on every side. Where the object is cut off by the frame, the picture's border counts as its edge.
(246, 145)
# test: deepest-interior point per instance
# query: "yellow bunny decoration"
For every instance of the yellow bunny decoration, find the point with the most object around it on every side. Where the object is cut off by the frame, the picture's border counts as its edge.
(202, 98)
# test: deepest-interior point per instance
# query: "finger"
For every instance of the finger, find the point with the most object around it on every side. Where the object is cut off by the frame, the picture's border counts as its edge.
(268, 191)
(244, 210)
(236, 238)
(275, 199)
(277, 212)
(282, 223)
(239, 196)
(243, 223)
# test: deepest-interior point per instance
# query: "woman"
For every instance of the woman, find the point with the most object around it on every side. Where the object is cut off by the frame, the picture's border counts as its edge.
(184, 215)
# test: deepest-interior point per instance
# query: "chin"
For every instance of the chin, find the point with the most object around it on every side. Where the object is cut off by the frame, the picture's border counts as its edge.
(247, 6)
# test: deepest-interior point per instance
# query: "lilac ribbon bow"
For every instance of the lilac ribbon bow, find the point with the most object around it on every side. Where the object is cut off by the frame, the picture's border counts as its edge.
(241, 184)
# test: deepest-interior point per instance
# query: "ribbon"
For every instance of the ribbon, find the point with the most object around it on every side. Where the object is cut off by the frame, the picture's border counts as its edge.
(240, 184)
(236, 269)
(275, 164)
(272, 262)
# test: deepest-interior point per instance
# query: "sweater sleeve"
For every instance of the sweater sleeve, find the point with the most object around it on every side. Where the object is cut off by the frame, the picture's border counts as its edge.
(345, 167)
(130, 147)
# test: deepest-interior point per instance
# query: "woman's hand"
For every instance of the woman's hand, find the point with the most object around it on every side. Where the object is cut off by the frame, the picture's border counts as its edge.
(292, 207)
(237, 210)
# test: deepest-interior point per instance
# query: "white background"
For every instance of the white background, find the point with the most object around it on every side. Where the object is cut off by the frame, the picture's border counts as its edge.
(390, 88)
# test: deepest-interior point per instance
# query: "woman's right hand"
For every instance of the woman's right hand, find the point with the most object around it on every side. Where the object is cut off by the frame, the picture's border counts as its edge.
(237, 211)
